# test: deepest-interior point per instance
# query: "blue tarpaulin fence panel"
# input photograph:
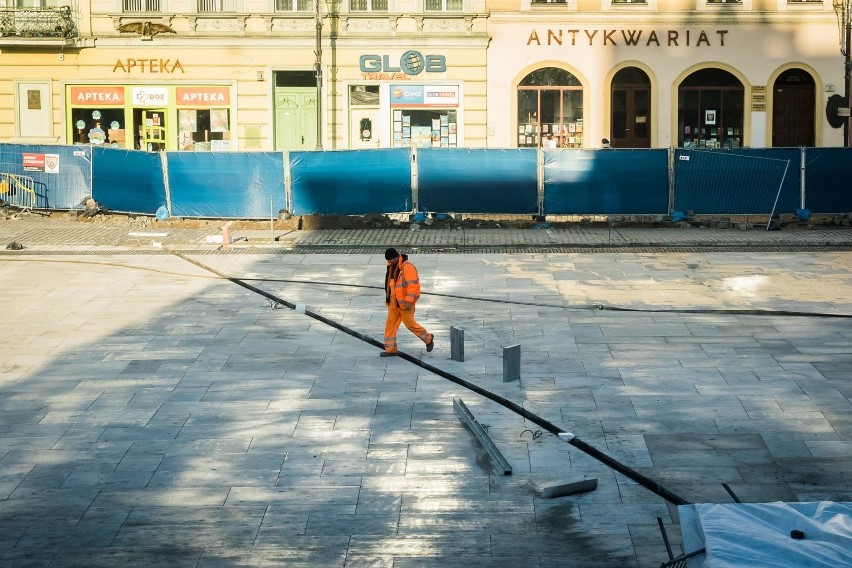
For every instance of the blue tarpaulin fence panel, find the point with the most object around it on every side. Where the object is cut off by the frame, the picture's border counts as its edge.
(828, 172)
(462, 180)
(606, 182)
(736, 181)
(350, 182)
(62, 174)
(235, 185)
(128, 181)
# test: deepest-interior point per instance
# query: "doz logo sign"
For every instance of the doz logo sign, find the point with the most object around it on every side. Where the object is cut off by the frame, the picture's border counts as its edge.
(411, 63)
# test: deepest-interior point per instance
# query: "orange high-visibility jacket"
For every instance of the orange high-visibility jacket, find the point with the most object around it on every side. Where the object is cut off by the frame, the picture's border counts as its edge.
(403, 283)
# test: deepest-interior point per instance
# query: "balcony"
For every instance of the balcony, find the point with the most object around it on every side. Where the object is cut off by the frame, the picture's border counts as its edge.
(37, 26)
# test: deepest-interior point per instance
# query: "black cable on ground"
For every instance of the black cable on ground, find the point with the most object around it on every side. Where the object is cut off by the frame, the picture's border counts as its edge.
(621, 468)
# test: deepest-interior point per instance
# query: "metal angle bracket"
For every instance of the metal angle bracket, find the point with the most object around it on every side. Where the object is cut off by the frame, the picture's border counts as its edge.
(466, 416)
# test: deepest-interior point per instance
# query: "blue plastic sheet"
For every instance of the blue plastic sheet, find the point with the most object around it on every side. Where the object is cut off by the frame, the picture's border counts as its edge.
(62, 175)
(116, 189)
(350, 182)
(463, 180)
(828, 172)
(737, 181)
(236, 185)
(606, 182)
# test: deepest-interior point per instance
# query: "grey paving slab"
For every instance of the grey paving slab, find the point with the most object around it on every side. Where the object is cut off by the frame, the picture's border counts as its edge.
(183, 421)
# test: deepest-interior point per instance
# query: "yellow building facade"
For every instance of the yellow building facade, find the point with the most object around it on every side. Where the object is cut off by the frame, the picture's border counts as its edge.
(223, 75)
(226, 75)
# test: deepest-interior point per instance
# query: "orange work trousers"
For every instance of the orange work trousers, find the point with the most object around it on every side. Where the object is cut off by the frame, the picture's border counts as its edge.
(396, 316)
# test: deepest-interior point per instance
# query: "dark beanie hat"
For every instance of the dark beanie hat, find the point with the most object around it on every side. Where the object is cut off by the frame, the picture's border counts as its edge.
(391, 254)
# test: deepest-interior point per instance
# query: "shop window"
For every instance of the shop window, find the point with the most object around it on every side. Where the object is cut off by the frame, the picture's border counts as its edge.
(98, 127)
(368, 5)
(425, 128)
(710, 110)
(141, 6)
(204, 130)
(443, 5)
(364, 95)
(550, 110)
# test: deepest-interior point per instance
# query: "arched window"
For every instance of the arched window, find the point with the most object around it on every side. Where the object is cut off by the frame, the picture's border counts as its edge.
(710, 110)
(550, 109)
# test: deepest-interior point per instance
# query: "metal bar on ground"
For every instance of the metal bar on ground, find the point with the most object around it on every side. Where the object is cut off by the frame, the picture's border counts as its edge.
(467, 417)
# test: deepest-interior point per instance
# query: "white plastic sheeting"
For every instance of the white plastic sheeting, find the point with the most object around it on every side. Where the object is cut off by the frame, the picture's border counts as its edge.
(758, 534)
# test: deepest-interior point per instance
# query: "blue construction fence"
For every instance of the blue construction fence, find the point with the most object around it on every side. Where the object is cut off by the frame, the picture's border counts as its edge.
(258, 185)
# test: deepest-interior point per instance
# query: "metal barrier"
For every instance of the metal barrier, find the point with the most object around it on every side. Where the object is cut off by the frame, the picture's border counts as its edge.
(18, 191)
(259, 185)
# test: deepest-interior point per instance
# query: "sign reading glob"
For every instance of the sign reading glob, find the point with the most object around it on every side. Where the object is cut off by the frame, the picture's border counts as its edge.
(411, 63)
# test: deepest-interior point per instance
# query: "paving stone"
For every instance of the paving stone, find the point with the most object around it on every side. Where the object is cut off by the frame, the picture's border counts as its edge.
(184, 419)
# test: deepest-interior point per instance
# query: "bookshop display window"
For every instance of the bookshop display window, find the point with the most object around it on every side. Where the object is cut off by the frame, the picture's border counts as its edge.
(550, 110)
(710, 110)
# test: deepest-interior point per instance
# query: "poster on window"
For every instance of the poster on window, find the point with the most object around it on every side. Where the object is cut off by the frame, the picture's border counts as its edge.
(219, 120)
(187, 118)
(709, 117)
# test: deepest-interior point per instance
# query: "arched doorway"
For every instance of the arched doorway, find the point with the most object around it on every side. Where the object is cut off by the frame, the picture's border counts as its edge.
(550, 110)
(630, 124)
(710, 110)
(793, 111)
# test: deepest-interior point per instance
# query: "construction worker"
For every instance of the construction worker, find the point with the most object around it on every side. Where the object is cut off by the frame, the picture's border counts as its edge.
(402, 289)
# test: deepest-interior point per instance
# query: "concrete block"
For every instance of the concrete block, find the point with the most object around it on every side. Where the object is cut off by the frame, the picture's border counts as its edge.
(456, 343)
(511, 363)
(581, 485)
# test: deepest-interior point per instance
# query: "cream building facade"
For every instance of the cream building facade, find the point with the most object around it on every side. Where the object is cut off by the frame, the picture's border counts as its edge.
(661, 73)
(226, 75)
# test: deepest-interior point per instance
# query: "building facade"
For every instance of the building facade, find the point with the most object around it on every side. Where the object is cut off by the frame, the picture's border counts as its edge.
(219, 75)
(226, 75)
(661, 73)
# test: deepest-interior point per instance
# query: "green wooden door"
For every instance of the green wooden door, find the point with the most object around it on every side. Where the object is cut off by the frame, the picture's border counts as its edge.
(295, 118)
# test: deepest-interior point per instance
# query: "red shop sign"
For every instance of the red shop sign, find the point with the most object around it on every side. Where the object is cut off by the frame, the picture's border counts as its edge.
(99, 96)
(203, 96)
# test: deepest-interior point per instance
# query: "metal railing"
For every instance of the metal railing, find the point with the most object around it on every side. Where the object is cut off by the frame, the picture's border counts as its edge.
(141, 6)
(18, 191)
(217, 6)
(38, 22)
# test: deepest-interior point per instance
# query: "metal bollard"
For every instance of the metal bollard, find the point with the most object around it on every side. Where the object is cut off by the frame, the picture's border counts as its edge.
(511, 363)
(456, 343)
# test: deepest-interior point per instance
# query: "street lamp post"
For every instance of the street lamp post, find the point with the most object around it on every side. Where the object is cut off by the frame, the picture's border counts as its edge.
(318, 72)
(843, 9)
